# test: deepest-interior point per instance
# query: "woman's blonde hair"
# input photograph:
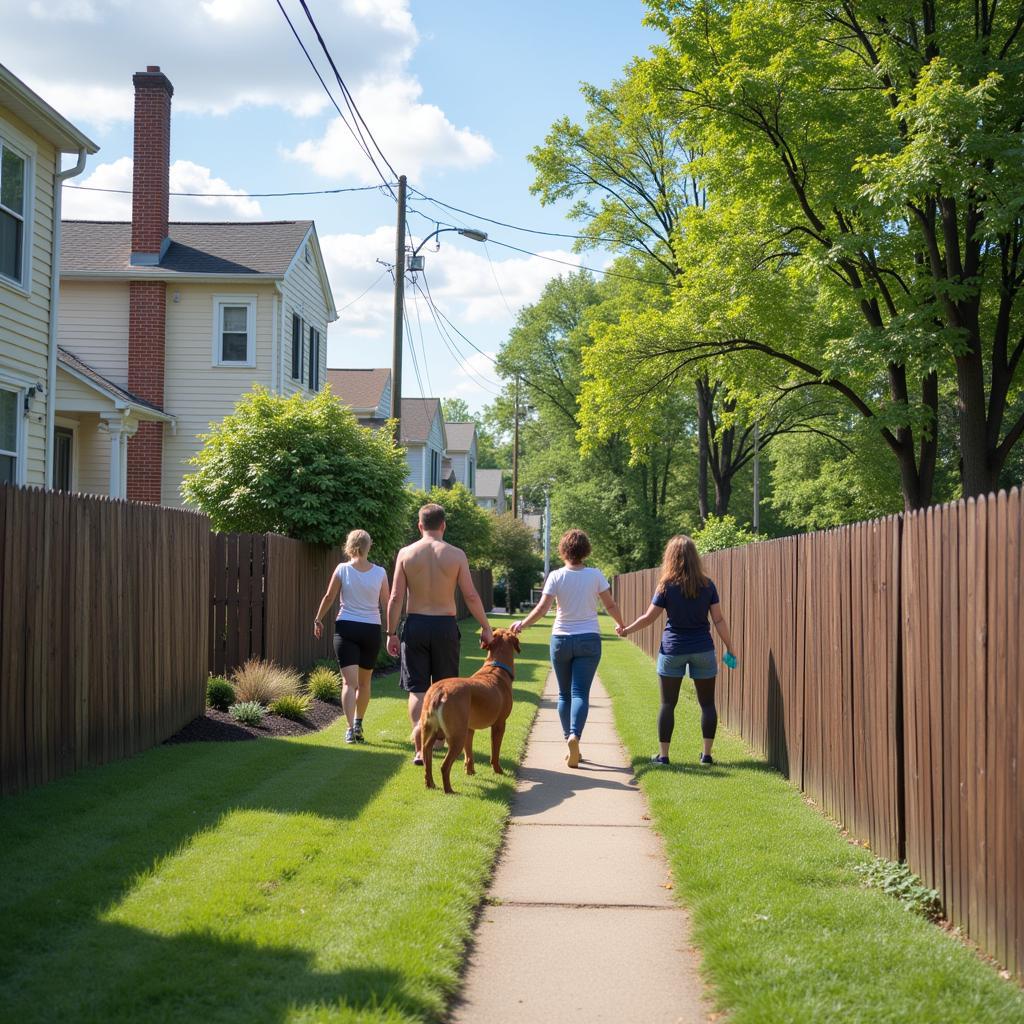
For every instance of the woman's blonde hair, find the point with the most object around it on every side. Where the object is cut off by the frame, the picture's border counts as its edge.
(357, 544)
(682, 565)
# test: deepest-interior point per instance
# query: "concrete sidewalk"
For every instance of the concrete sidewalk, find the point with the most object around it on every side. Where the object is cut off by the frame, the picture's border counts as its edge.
(579, 923)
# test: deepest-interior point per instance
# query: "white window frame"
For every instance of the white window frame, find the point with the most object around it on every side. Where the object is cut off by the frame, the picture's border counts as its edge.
(18, 390)
(27, 151)
(219, 302)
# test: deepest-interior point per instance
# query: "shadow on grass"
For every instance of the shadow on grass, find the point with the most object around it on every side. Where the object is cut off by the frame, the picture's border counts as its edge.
(196, 976)
(74, 848)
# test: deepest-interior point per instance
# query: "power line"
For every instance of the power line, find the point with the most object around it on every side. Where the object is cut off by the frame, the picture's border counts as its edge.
(412, 349)
(494, 274)
(360, 142)
(357, 117)
(423, 344)
(238, 195)
(519, 227)
(366, 292)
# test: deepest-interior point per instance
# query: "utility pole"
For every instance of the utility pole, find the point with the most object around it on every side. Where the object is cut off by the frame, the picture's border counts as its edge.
(515, 456)
(757, 478)
(396, 343)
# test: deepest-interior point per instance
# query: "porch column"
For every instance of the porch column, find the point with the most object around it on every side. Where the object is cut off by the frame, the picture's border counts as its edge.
(115, 427)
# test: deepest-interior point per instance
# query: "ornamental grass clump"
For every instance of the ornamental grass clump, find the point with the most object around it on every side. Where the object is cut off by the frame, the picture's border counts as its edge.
(264, 682)
(248, 712)
(291, 706)
(324, 684)
(220, 694)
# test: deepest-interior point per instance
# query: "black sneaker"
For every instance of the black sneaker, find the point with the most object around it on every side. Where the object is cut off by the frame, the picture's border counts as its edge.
(706, 759)
(660, 759)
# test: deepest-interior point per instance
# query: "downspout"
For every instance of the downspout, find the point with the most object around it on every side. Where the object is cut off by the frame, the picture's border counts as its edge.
(277, 338)
(51, 354)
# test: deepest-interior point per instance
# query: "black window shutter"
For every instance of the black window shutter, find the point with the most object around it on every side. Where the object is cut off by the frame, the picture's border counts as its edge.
(296, 346)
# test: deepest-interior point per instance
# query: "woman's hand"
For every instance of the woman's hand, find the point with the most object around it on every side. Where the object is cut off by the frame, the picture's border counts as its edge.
(516, 627)
(622, 631)
(318, 629)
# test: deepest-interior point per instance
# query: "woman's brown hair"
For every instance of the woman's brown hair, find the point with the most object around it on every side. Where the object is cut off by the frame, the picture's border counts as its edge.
(682, 566)
(574, 546)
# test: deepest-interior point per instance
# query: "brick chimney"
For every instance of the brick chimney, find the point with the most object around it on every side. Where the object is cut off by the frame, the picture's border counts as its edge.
(150, 185)
(147, 300)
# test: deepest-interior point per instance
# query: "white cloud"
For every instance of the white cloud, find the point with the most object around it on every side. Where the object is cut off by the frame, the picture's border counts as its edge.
(414, 135)
(185, 176)
(220, 54)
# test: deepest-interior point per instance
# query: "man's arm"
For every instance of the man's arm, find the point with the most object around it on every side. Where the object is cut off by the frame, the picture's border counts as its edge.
(398, 589)
(472, 599)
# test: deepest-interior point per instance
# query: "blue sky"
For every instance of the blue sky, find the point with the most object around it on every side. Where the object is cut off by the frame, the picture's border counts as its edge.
(456, 92)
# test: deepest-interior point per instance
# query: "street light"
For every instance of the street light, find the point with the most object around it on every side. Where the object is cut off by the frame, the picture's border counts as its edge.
(415, 261)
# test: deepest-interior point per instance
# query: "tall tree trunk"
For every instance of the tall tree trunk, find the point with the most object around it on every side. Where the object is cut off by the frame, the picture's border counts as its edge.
(704, 445)
(978, 472)
(723, 493)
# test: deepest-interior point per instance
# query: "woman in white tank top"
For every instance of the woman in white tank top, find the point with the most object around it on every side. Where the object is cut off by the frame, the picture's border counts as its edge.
(363, 588)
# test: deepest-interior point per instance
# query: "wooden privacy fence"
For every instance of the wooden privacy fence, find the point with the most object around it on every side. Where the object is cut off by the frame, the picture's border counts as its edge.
(103, 621)
(264, 592)
(880, 668)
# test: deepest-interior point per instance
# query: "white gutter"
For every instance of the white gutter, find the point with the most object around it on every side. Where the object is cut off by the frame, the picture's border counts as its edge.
(51, 353)
(276, 338)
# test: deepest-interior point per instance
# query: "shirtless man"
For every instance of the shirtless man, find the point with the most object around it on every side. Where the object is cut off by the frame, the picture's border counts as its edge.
(430, 570)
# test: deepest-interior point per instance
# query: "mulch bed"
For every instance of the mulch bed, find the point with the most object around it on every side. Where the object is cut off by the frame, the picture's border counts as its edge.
(217, 726)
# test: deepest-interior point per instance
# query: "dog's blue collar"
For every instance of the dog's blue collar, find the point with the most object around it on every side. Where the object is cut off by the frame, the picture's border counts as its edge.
(501, 664)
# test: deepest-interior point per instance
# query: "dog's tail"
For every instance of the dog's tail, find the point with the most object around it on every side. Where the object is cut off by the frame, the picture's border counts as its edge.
(433, 710)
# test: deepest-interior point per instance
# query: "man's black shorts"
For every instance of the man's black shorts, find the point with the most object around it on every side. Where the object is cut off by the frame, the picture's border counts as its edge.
(356, 643)
(430, 651)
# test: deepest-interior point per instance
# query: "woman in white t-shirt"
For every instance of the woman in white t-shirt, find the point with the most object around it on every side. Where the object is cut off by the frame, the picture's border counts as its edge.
(364, 597)
(576, 635)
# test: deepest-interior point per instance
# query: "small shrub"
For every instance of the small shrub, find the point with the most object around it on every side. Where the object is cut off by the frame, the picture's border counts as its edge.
(898, 880)
(324, 684)
(291, 706)
(248, 712)
(220, 694)
(265, 682)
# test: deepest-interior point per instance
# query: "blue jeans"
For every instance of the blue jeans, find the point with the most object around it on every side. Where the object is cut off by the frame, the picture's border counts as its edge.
(574, 659)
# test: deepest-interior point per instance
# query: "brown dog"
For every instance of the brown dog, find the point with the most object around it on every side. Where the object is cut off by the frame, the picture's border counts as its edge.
(458, 707)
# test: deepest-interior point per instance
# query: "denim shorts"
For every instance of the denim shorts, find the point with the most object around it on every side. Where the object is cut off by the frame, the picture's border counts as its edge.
(703, 665)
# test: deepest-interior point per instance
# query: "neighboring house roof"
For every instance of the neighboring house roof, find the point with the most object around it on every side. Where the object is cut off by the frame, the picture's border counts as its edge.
(18, 98)
(418, 415)
(361, 390)
(118, 395)
(489, 483)
(460, 436)
(235, 248)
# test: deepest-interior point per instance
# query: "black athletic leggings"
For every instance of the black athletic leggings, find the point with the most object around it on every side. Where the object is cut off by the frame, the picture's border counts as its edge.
(669, 697)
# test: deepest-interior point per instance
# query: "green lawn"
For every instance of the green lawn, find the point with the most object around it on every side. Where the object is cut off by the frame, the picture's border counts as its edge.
(786, 930)
(286, 879)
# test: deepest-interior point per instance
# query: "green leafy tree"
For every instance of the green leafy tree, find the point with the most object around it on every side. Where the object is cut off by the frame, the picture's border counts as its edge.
(469, 526)
(873, 148)
(456, 410)
(302, 467)
(515, 558)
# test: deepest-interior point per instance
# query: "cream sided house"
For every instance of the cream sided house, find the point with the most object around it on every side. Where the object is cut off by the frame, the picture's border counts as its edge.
(33, 136)
(164, 326)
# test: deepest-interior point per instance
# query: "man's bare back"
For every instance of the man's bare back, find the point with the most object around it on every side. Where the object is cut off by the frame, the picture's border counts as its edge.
(432, 570)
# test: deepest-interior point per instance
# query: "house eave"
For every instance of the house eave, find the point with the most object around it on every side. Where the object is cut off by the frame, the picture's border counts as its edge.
(165, 275)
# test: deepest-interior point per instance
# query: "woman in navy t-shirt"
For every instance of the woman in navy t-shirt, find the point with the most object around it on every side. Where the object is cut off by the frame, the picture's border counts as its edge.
(689, 598)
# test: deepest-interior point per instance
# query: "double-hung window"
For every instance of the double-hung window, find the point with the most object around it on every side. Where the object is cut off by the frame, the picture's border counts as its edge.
(14, 195)
(314, 359)
(10, 435)
(296, 347)
(234, 330)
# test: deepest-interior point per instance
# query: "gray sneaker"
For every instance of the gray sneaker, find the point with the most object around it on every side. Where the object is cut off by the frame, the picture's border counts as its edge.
(350, 736)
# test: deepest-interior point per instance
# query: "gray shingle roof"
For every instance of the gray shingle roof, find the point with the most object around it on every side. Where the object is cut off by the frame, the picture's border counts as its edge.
(359, 389)
(488, 483)
(460, 436)
(417, 416)
(236, 247)
(72, 362)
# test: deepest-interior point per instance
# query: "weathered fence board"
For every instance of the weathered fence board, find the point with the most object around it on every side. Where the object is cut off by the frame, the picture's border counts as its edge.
(103, 630)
